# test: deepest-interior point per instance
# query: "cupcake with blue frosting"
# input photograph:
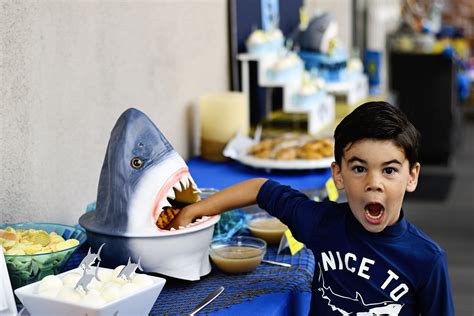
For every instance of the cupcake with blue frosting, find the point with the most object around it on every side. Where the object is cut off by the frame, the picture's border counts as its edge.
(312, 92)
(260, 42)
(288, 68)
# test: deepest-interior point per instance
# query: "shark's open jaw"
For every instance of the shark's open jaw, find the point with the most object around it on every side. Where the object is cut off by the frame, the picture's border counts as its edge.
(141, 175)
(179, 190)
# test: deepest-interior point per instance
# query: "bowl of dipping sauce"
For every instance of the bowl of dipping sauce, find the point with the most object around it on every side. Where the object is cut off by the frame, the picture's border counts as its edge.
(267, 227)
(237, 254)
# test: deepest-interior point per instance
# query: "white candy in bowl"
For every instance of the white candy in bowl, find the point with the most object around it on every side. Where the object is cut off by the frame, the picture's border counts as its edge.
(112, 295)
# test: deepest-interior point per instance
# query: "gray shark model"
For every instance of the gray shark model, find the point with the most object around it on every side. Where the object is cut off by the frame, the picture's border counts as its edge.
(141, 176)
(316, 37)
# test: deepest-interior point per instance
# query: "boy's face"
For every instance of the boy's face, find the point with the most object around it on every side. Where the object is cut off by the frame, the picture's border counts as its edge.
(375, 175)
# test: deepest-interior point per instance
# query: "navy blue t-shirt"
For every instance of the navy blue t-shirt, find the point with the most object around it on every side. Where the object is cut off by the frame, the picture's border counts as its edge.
(399, 271)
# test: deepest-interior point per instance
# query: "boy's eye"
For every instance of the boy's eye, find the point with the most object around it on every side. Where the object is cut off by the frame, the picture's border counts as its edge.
(389, 170)
(358, 169)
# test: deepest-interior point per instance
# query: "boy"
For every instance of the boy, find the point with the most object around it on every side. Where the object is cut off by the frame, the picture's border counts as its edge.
(370, 259)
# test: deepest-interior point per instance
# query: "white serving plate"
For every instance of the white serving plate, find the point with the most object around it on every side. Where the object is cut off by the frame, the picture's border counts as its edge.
(137, 303)
(238, 147)
(294, 164)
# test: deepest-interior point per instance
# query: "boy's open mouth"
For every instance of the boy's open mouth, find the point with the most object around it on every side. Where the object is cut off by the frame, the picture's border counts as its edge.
(374, 213)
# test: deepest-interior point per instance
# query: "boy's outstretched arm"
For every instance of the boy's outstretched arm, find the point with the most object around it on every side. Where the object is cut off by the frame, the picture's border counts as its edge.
(236, 196)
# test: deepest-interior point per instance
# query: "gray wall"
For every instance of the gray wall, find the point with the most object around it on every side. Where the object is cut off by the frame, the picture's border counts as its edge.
(67, 71)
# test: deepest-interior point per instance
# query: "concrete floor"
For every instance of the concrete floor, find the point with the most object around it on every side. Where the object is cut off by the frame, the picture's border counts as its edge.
(450, 221)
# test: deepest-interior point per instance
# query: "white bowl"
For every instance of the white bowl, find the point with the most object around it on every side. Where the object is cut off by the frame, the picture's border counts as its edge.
(136, 303)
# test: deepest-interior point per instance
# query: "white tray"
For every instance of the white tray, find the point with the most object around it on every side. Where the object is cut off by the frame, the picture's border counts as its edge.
(137, 303)
(294, 164)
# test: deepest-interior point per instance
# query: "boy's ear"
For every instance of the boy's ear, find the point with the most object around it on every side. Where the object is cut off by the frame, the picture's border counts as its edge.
(337, 176)
(413, 178)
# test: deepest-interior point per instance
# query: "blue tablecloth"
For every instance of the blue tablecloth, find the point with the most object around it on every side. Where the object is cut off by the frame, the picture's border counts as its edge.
(219, 175)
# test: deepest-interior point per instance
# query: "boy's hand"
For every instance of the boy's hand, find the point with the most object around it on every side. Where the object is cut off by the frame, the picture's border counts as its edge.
(236, 196)
(183, 218)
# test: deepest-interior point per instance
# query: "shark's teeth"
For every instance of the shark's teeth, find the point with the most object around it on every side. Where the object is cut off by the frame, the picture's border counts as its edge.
(171, 194)
(181, 227)
(165, 204)
(184, 183)
(177, 186)
(193, 184)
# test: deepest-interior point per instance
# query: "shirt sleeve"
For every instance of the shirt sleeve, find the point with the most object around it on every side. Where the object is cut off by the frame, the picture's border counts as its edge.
(436, 297)
(292, 207)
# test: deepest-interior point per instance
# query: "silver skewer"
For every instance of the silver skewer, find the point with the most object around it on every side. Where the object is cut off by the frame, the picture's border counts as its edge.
(287, 265)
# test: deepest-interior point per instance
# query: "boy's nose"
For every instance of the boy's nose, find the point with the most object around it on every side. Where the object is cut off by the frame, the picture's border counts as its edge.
(373, 183)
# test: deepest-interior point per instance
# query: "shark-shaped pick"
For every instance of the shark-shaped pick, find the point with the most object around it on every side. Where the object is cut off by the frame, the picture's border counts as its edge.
(86, 279)
(90, 259)
(129, 269)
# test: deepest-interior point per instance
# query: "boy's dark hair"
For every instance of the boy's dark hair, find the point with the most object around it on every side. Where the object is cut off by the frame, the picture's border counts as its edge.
(379, 121)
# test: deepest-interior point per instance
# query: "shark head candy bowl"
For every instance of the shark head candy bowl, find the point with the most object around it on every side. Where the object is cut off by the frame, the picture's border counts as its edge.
(143, 184)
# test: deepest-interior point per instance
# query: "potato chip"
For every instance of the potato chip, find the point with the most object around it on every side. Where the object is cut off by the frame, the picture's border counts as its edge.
(56, 239)
(9, 233)
(8, 244)
(41, 237)
(32, 249)
(72, 242)
(15, 251)
(66, 244)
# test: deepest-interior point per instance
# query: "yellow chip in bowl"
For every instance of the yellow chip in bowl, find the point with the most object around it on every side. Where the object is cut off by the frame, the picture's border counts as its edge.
(56, 239)
(8, 244)
(32, 249)
(67, 244)
(41, 237)
(15, 251)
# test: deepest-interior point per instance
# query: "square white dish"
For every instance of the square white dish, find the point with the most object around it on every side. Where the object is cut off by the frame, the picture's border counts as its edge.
(137, 303)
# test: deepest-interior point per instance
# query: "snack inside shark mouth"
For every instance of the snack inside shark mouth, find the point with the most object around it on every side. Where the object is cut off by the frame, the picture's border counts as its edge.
(374, 212)
(182, 193)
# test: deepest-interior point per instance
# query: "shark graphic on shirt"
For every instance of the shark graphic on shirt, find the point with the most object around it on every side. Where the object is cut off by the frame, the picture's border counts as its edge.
(355, 306)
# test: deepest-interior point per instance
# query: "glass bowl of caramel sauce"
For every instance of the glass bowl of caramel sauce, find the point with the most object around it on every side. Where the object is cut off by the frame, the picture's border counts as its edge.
(266, 227)
(238, 254)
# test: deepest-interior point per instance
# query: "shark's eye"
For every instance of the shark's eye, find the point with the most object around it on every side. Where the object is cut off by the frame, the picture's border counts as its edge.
(136, 163)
